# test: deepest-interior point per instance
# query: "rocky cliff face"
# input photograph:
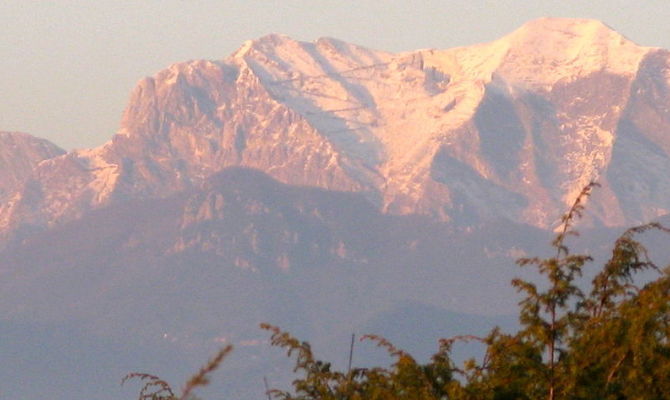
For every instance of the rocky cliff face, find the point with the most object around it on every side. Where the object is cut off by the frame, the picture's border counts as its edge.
(509, 129)
(159, 238)
(19, 154)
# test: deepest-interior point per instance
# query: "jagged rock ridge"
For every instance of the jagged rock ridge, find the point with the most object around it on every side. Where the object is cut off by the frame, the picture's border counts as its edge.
(509, 129)
(157, 238)
(19, 154)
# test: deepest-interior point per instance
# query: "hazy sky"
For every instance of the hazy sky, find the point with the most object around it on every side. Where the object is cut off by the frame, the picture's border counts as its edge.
(68, 66)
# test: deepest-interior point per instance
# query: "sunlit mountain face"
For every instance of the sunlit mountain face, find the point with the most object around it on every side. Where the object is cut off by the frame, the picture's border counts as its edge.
(327, 188)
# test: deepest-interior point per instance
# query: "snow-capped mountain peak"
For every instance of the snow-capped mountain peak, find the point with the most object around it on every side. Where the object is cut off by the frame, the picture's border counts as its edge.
(545, 51)
(507, 129)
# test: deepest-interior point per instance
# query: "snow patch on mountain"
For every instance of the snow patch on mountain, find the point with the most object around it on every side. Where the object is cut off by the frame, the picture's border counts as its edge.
(545, 51)
(513, 128)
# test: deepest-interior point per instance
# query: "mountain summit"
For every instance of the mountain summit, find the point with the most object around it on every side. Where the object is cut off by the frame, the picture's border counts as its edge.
(508, 129)
(323, 187)
(19, 155)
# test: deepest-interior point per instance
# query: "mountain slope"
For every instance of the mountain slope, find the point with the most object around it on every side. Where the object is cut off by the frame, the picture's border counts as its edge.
(174, 278)
(187, 272)
(327, 188)
(243, 223)
(19, 154)
(513, 128)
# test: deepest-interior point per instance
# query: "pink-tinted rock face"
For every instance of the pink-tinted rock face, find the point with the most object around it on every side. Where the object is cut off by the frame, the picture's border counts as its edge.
(267, 187)
(509, 129)
(19, 154)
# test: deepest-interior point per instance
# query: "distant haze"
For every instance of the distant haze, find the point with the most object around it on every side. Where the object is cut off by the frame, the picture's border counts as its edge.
(68, 66)
(320, 186)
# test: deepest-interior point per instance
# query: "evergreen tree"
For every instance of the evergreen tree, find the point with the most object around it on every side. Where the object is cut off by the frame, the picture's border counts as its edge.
(611, 342)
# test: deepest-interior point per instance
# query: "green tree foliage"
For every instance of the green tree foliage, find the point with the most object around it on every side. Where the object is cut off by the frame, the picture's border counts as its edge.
(609, 342)
(405, 379)
(621, 349)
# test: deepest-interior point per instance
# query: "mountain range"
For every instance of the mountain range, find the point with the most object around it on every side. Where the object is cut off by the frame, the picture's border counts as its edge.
(328, 188)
